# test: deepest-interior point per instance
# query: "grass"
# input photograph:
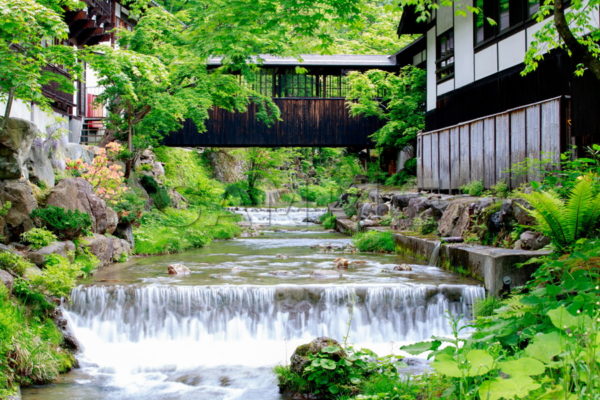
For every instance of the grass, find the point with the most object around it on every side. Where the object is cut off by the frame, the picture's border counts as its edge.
(179, 230)
(375, 242)
(30, 346)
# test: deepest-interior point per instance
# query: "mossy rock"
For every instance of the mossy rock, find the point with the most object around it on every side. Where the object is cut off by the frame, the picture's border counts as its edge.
(300, 358)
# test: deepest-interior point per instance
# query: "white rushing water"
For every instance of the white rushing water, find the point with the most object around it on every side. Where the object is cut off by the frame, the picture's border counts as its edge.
(153, 334)
(292, 216)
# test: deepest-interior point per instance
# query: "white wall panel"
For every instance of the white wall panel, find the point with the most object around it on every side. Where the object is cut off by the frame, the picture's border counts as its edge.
(511, 51)
(431, 83)
(486, 62)
(463, 50)
(445, 19)
(445, 87)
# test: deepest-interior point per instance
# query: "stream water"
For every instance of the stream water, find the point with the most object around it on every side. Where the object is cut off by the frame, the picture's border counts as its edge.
(217, 333)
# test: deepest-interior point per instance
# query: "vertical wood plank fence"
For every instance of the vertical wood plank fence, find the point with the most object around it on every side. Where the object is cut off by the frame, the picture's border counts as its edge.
(486, 148)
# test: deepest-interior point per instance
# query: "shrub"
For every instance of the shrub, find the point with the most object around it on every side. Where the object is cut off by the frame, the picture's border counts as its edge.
(424, 226)
(500, 189)
(66, 224)
(239, 193)
(58, 277)
(474, 188)
(157, 192)
(319, 195)
(14, 263)
(38, 238)
(564, 222)
(130, 207)
(375, 241)
(87, 261)
(328, 220)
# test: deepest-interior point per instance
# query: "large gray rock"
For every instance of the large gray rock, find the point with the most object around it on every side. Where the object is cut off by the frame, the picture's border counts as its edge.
(78, 194)
(108, 249)
(6, 279)
(400, 201)
(300, 358)
(125, 231)
(530, 240)
(458, 215)
(23, 202)
(15, 146)
(39, 164)
(75, 151)
(65, 249)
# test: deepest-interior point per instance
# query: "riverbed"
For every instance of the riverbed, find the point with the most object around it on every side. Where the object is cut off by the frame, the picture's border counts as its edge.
(218, 332)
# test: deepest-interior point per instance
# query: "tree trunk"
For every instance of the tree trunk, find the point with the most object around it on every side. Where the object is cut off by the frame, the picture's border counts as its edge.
(579, 52)
(8, 109)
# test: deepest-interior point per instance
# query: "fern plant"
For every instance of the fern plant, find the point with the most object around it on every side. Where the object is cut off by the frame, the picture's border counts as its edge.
(564, 222)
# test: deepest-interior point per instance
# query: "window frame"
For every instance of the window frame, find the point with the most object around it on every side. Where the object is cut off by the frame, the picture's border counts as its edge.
(448, 54)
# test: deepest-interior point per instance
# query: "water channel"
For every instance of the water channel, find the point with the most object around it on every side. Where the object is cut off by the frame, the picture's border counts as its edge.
(217, 333)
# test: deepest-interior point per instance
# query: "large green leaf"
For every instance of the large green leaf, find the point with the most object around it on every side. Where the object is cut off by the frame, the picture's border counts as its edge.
(546, 346)
(445, 365)
(328, 364)
(330, 349)
(523, 366)
(563, 319)
(480, 362)
(496, 389)
(421, 347)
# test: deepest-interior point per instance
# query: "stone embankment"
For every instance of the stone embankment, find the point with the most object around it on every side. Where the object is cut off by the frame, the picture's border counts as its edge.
(483, 237)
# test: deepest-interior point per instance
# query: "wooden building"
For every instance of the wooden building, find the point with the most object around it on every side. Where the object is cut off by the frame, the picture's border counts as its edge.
(312, 104)
(483, 116)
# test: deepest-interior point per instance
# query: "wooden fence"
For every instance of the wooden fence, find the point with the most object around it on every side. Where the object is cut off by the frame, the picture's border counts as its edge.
(485, 149)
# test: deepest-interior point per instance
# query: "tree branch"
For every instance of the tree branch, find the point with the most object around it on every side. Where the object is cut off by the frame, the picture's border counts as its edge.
(580, 52)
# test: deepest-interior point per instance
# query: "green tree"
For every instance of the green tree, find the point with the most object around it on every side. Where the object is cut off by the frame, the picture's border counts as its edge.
(569, 28)
(397, 99)
(29, 30)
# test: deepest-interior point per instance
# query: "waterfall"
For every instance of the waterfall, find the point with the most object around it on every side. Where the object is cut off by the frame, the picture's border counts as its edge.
(435, 254)
(292, 216)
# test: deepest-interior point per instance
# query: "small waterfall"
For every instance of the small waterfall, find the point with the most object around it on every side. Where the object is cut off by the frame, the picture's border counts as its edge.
(435, 254)
(292, 216)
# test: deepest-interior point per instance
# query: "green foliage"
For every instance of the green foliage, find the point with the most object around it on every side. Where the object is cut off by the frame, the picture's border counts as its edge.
(30, 351)
(486, 306)
(474, 188)
(87, 261)
(58, 277)
(239, 194)
(405, 175)
(5, 208)
(424, 226)
(174, 230)
(541, 343)
(37, 238)
(375, 241)
(397, 99)
(157, 192)
(14, 263)
(319, 195)
(66, 224)
(565, 222)
(500, 189)
(188, 172)
(30, 31)
(328, 220)
(130, 207)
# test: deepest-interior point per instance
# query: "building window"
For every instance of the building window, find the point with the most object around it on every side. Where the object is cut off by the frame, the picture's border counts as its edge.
(506, 14)
(445, 56)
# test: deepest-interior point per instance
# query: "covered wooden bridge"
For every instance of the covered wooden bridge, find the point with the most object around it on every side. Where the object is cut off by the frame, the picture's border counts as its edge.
(312, 104)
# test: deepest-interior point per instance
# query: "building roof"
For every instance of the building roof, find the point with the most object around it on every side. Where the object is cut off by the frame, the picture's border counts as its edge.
(342, 60)
(408, 22)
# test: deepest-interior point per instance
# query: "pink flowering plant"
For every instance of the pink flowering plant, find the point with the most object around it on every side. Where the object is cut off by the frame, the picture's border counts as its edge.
(104, 174)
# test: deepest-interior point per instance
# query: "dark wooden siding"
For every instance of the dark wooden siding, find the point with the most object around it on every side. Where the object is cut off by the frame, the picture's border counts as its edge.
(308, 122)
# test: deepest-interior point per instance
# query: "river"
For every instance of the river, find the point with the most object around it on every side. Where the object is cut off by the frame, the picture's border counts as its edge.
(218, 332)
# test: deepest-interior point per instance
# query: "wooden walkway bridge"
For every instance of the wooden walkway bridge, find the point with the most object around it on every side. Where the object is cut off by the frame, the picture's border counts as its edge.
(312, 104)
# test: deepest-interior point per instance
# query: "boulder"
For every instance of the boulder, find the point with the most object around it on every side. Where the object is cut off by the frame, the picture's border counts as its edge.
(108, 249)
(78, 194)
(6, 279)
(456, 219)
(403, 267)
(382, 209)
(65, 249)
(299, 360)
(400, 201)
(69, 340)
(416, 205)
(125, 231)
(530, 240)
(76, 151)
(15, 147)
(178, 269)
(23, 202)
(39, 165)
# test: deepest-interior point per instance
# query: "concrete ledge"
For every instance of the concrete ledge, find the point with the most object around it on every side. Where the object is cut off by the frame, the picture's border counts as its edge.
(491, 265)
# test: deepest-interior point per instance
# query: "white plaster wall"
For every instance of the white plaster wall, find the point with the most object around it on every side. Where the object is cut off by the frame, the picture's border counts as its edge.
(463, 47)
(445, 19)
(486, 62)
(431, 83)
(511, 51)
(445, 87)
(41, 119)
